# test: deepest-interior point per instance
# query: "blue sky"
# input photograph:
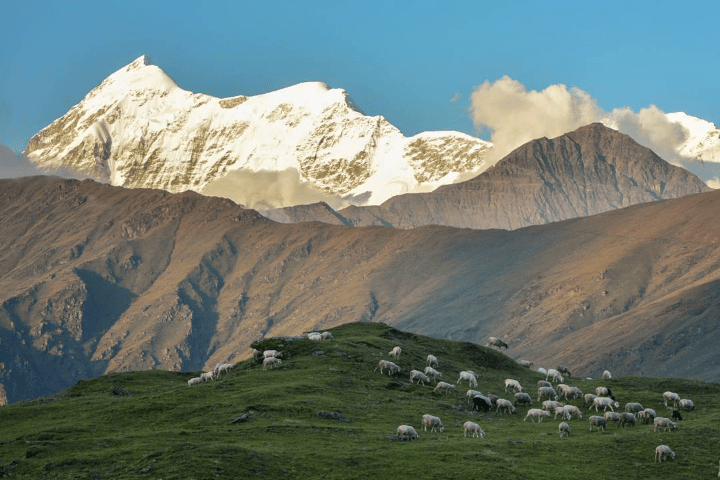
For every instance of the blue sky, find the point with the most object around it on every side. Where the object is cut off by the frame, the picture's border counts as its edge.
(414, 62)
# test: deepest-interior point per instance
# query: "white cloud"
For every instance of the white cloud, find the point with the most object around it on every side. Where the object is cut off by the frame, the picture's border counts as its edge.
(515, 115)
(269, 189)
(13, 165)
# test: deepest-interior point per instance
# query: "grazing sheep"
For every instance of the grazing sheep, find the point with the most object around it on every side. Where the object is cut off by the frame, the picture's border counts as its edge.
(392, 368)
(562, 412)
(648, 415)
(551, 404)
(432, 372)
(564, 429)
(317, 336)
(547, 392)
(607, 375)
(663, 451)
(207, 376)
(496, 342)
(604, 391)
(327, 336)
(564, 370)
(272, 353)
(676, 415)
(194, 381)
(633, 408)
(493, 398)
(687, 404)
(559, 388)
(575, 392)
(627, 418)
(667, 396)
(481, 403)
(664, 423)
(525, 363)
(542, 370)
(432, 422)
(597, 421)
(612, 417)
(469, 376)
(556, 376)
(406, 432)
(271, 362)
(604, 402)
(522, 397)
(471, 394)
(257, 354)
(538, 413)
(395, 352)
(514, 384)
(589, 398)
(474, 428)
(432, 361)
(223, 367)
(573, 410)
(505, 405)
(444, 387)
(421, 377)
(544, 383)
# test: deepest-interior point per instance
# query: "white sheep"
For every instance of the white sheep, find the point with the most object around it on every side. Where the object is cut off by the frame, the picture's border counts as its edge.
(525, 363)
(663, 451)
(470, 394)
(272, 353)
(686, 404)
(547, 392)
(256, 354)
(504, 405)
(496, 342)
(430, 371)
(601, 391)
(421, 377)
(544, 383)
(575, 392)
(406, 432)
(648, 415)
(469, 376)
(562, 412)
(597, 421)
(433, 422)
(627, 418)
(536, 413)
(607, 375)
(474, 428)
(604, 402)
(573, 410)
(207, 376)
(664, 423)
(194, 381)
(271, 362)
(564, 429)
(514, 384)
(667, 396)
(444, 387)
(633, 407)
(542, 370)
(222, 367)
(551, 404)
(556, 376)
(395, 352)
(327, 336)
(589, 397)
(522, 397)
(432, 361)
(612, 417)
(391, 367)
(316, 336)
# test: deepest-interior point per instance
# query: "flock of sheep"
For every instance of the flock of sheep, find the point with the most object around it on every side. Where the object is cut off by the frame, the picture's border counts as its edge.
(602, 398)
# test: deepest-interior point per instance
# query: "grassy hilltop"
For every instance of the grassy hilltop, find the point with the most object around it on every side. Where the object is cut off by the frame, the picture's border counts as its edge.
(324, 413)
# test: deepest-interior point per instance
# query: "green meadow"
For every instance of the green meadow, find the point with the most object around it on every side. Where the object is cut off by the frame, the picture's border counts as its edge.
(324, 413)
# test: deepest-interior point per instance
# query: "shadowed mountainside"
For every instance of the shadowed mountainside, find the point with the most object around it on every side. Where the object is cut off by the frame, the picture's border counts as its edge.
(95, 278)
(591, 170)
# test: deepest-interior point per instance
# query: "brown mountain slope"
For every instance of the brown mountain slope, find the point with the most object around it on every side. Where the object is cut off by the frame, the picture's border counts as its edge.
(96, 278)
(591, 170)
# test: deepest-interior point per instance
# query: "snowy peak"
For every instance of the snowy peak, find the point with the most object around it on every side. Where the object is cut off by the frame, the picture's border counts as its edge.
(139, 129)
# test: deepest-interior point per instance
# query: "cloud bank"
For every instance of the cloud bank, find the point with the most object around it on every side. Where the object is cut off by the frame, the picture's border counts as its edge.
(515, 115)
(264, 189)
(13, 165)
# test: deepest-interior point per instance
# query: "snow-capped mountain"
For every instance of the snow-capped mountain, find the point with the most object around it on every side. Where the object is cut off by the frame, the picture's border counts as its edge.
(703, 141)
(139, 129)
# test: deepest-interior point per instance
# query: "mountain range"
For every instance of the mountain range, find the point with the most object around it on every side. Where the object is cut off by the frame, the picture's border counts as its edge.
(96, 278)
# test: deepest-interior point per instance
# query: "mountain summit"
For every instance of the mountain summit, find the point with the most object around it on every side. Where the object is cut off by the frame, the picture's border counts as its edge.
(139, 129)
(591, 170)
